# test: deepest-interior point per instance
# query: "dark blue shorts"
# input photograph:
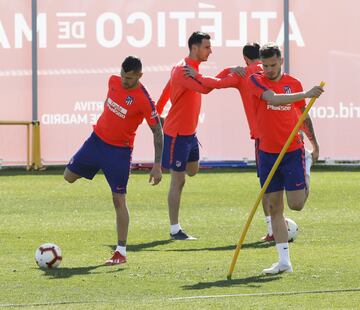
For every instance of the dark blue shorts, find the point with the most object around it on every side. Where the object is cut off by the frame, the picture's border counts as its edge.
(178, 151)
(290, 175)
(95, 154)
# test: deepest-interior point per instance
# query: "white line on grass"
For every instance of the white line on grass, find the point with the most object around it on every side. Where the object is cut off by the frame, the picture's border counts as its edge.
(183, 298)
(269, 294)
(51, 304)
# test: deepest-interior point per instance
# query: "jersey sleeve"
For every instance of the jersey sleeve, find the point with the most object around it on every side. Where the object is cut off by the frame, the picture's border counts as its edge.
(149, 109)
(223, 73)
(112, 83)
(189, 82)
(230, 80)
(255, 85)
(164, 98)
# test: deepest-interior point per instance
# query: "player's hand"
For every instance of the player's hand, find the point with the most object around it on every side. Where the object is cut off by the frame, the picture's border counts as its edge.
(189, 71)
(316, 91)
(315, 154)
(155, 174)
(241, 71)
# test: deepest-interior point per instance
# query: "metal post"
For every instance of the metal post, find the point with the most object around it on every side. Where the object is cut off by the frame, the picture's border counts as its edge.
(34, 60)
(286, 37)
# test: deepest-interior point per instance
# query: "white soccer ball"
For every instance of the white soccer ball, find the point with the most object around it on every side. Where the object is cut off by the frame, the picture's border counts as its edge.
(48, 255)
(292, 228)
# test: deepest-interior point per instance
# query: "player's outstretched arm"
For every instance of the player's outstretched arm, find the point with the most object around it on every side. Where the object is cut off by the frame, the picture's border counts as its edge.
(230, 80)
(282, 99)
(189, 82)
(155, 173)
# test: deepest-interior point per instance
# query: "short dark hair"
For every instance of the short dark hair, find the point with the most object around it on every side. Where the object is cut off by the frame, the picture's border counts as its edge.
(251, 50)
(197, 37)
(132, 63)
(269, 50)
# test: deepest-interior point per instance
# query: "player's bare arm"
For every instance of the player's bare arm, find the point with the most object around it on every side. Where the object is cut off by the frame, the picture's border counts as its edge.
(155, 173)
(282, 99)
(310, 134)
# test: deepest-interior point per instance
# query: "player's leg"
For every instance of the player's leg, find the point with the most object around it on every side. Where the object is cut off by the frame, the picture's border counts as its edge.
(266, 208)
(174, 196)
(292, 173)
(192, 166)
(116, 168)
(296, 199)
(70, 176)
(308, 164)
(265, 201)
(122, 227)
(175, 157)
(294, 179)
(274, 195)
(276, 202)
(85, 162)
(280, 232)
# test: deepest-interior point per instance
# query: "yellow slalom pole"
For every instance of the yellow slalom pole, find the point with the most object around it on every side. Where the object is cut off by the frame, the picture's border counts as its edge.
(267, 182)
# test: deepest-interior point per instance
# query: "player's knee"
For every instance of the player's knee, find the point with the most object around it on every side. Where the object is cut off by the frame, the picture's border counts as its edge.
(119, 201)
(297, 205)
(192, 168)
(68, 178)
(192, 172)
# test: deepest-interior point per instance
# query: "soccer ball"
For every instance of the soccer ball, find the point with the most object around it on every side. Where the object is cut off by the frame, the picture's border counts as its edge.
(292, 228)
(48, 255)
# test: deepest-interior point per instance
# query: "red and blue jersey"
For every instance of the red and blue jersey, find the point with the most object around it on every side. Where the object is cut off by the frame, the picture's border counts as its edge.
(185, 96)
(124, 111)
(275, 122)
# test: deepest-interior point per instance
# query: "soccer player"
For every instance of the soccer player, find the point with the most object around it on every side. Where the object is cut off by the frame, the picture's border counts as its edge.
(226, 79)
(110, 145)
(277, 96)
(181, 147)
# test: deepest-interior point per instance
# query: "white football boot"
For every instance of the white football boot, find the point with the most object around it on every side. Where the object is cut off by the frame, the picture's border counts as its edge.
(278, 268)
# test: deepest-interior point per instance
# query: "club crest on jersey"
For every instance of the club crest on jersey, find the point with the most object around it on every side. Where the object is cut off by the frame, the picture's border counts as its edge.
(129, 100)
(287, 90)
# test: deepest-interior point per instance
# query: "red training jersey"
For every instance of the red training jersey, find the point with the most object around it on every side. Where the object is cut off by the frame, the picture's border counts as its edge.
(185, 96)
(226, 79)
(124, 111)
(275, 123)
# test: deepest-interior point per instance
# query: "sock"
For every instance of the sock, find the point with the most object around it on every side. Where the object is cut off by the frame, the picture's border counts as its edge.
(174, 229)
(269, 227)
(308, 162)
(284, 255)
(121, 250)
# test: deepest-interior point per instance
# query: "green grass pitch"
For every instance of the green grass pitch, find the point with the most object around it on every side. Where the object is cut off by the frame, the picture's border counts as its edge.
(161, 274)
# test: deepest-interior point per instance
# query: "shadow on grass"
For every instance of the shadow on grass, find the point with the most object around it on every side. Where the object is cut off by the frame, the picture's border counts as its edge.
(254, 281)
(253, 245)
(143, 246)
(68, 272)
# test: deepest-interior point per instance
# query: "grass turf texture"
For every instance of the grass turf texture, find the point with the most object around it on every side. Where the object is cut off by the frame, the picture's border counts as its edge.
(80, 219)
